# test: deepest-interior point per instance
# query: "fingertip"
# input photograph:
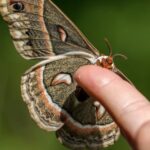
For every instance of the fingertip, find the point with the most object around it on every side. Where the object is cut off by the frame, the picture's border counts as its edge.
(119, 97)
(86, 75)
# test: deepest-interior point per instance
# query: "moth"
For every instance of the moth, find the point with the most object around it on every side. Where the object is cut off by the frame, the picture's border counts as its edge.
(41, 31)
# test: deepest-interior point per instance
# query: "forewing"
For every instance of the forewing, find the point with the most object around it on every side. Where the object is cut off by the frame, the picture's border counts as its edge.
(39, 29)
(67, 31)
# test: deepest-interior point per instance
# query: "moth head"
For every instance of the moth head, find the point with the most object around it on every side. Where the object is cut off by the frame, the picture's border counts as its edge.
(107, 61)
(104, 60)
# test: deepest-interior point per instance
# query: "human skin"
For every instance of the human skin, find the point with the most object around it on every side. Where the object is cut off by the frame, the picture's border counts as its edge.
(129, 108)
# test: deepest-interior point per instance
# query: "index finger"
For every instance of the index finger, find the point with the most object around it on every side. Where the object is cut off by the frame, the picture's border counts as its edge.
(129, 107)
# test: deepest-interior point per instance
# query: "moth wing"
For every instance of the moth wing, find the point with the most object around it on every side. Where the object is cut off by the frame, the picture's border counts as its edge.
(47, 86)
(89, 128)
(39, 29)
(56, 103)
(57, 21)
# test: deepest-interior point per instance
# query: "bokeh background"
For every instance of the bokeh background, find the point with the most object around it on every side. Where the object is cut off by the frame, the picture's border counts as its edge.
(125, 23)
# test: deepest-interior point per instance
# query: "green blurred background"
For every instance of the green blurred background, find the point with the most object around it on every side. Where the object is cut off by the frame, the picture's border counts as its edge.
(125, 23)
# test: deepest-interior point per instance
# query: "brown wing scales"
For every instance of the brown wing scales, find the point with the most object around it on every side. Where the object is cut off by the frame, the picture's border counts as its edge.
(34, 27)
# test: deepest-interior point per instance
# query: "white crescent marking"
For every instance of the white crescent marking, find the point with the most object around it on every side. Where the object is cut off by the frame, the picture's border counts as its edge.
(62, 78)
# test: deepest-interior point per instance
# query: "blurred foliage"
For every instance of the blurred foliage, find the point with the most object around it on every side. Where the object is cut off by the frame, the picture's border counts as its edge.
(125, 23)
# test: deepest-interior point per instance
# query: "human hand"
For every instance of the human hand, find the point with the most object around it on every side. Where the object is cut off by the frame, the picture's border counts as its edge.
(129, 108)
